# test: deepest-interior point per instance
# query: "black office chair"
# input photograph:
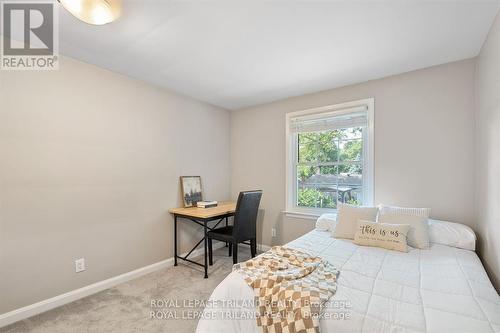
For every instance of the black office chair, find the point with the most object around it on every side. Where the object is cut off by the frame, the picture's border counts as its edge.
(244, 227)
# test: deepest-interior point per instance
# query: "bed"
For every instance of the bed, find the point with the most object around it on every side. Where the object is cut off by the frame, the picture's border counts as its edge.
(441, 289)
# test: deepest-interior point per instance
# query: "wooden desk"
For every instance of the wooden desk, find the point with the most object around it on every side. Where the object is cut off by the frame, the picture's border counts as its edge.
(201, 216)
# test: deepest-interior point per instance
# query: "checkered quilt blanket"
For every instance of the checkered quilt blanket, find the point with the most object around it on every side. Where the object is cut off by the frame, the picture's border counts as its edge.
(290, 288)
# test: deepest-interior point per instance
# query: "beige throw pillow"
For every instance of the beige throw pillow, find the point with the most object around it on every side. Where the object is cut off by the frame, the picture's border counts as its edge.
(418, 235)
(387, 236)
(347, 219)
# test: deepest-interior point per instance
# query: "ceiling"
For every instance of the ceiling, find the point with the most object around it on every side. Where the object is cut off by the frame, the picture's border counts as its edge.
(240, 53)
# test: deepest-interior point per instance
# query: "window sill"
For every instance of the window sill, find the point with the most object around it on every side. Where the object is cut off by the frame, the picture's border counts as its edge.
(301, 215)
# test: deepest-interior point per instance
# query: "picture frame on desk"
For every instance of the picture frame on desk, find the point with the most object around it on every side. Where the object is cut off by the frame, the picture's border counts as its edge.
(191, 190)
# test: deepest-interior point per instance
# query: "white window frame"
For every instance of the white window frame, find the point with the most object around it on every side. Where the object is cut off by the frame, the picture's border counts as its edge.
(291, 155)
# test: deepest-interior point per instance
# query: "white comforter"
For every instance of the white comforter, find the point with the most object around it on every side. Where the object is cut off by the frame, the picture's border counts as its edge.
(443, 289)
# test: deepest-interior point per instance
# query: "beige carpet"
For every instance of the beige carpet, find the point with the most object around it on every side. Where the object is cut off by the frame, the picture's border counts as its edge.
(127, 307)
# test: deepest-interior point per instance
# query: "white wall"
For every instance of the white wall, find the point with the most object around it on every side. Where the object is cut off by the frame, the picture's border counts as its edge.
(90, 162)
(424, 145)
(89, 165)
(488, 153)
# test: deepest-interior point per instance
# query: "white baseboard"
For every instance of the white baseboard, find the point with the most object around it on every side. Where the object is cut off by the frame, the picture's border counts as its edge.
(71, 296)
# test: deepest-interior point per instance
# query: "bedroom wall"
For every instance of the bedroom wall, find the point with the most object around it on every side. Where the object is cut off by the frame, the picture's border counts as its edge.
(90, 164)
(487, 149)
(424, 145)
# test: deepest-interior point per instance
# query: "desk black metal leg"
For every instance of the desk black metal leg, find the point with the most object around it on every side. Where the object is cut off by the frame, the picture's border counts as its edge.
(175, 240)
(226, 226)
(206, 264)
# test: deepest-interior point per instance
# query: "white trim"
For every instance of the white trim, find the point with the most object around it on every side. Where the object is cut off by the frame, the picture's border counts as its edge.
(369, 155)
(301, 215)
(368, 151)
(71, 296)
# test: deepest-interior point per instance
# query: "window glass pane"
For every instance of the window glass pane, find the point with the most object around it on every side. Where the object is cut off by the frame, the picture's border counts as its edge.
(307, 147)
(307, 196)
(317, 189)
(326, 184)
(304, 173)
(351, 150)
(341, 179)
(318, 146)
(351, 133)
(350, 184)
(328, 149)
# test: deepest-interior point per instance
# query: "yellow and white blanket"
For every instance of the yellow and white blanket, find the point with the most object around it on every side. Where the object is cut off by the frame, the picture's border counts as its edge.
(290, 289)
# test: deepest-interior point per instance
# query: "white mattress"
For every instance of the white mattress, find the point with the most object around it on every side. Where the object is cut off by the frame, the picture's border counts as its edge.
(443, 289)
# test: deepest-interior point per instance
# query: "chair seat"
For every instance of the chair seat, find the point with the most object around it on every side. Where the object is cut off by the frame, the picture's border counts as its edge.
(224, 234)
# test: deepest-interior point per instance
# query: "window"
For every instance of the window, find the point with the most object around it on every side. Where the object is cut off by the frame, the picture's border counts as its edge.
(330, 157)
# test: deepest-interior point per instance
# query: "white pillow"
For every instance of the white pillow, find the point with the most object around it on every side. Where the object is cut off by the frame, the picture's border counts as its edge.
(418, 235)
(347, 219)
(386, 236)
(452, 234)
(326, 222)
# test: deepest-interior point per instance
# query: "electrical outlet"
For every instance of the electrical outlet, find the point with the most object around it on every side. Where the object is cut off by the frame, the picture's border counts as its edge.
(273, 232)
(79, 265)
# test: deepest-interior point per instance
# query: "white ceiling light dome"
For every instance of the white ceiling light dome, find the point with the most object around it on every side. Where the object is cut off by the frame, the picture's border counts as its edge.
(96, 12)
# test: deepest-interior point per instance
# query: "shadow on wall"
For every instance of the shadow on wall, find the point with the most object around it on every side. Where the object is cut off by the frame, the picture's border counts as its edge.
(278, 225)
(484, 245)
(260, 225)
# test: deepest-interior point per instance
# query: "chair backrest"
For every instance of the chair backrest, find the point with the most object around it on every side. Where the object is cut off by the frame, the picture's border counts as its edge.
(245, 216)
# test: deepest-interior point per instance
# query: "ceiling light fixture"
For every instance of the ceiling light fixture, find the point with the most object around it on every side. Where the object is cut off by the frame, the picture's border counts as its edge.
(96, 12)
